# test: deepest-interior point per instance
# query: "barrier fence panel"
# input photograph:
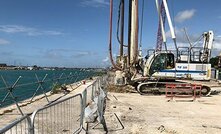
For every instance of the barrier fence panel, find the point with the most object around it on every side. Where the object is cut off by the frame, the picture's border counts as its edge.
(20, 126)
(89, 93)
(95, 93)
(64, 116)
(183, 91)
(101, 107)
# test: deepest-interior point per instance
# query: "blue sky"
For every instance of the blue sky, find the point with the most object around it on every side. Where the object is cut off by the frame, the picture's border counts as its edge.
(74, 33)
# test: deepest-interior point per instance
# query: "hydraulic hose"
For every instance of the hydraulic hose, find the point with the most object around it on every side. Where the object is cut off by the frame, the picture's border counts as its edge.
(110, 37)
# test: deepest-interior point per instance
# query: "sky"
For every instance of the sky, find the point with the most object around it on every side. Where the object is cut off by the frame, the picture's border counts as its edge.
(74, 33)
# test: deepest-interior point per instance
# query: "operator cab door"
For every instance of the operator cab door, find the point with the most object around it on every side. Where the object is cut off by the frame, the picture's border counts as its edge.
(162, 62)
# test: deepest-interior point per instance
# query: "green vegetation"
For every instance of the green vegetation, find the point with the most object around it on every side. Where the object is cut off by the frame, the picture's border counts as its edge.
(214, 61)
(101, 73)
(56, 88)
(59, 88)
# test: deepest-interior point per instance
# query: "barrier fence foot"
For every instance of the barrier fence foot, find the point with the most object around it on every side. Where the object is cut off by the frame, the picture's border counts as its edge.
(103, 122)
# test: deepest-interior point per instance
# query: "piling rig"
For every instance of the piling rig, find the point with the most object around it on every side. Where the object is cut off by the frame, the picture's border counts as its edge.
(158, 67)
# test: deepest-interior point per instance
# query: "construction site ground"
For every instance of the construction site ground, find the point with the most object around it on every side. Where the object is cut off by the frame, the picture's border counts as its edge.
(154, 114)
(149, 114)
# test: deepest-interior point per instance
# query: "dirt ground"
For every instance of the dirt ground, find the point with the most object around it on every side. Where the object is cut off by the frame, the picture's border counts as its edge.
(154, 114)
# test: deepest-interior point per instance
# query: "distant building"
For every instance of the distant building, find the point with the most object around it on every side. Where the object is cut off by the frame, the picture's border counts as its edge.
(30, 68)
(3, 65)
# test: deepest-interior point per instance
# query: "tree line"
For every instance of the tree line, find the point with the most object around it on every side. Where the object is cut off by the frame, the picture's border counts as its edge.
(215, 62)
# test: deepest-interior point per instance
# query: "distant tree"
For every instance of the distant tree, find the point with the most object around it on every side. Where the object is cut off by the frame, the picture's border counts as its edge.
(214, 61)
(35, 67)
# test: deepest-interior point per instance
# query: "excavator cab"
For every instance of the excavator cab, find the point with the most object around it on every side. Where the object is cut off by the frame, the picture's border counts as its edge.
(159, 62)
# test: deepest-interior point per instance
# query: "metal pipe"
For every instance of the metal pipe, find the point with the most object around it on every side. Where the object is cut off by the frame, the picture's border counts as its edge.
(119, 121)
(188, 39)
(161, 21)
(122, 30)
(129, 32)
(170, 25)
(169, 19)
(134, 32)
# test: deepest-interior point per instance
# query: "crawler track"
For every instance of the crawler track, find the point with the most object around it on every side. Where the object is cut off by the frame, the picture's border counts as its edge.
(157, 88)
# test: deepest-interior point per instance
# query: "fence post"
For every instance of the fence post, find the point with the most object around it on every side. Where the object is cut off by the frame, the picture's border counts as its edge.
(66, 78)
(10, 88)
(101, 101)
(40, 83)
(92, 94)
(82, 113)
(58, 79)
(30, 126)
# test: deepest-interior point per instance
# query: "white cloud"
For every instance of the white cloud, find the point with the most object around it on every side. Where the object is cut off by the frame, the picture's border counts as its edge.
(182, 42)
(4, 42)
(177, 30)
(181, 37)
(217, 42)
(66, 53)
(185, 15)
(27, 30)
(95, 3)
(106, 59)
(216, 46)
(53, 54)
(106, 62)
(83, 54)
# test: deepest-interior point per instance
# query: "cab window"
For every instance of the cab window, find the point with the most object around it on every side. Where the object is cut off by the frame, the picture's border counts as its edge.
(170, 61)
(161, 62)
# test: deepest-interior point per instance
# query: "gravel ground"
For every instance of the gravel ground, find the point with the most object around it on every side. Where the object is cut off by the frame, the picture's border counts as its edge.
(154, 114)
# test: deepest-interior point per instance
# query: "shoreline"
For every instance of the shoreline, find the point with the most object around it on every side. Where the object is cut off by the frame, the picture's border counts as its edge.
(10, 113)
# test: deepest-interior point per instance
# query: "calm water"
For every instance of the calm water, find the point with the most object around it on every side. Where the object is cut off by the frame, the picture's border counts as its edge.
(23, 91)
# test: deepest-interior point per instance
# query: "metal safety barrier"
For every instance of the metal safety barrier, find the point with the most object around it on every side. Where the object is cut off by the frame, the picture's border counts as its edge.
(20, 126)
(95, 91)
(36, 87)
(174, 90)
(62, 116)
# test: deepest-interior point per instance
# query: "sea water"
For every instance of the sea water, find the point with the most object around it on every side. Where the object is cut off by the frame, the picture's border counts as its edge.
(27, 84)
